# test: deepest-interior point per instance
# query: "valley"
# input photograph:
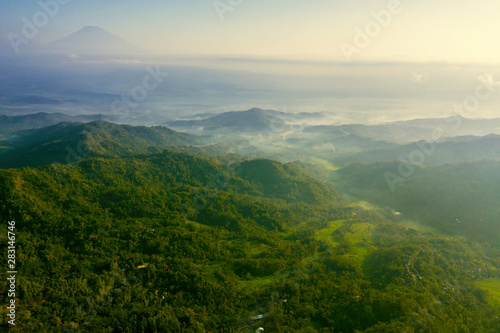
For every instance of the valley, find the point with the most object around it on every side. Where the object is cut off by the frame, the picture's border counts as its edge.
(170, 231)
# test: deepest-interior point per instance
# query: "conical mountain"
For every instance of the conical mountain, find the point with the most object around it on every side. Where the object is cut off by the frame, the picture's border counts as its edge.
(92, 40)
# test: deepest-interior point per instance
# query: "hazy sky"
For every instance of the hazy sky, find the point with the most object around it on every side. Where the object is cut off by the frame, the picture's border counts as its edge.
(408, 59)
(423, 30)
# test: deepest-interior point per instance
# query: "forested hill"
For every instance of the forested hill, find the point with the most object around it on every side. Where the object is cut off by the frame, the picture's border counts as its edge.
(457, 198)
(171, 242)
(72, 142)
(12, 124)
(285, 181)
(167, 179)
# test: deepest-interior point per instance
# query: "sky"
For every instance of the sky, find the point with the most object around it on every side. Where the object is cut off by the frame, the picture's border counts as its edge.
(384, 59)
(419, 31)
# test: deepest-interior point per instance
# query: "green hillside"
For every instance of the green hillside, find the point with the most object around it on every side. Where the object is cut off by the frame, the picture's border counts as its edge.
(286, 181)
(69, 143)
(459, 199)
(173, 242)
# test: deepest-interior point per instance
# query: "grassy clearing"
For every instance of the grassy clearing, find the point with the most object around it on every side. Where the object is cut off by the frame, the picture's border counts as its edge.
(359, 239)
(325, 235)
(361, 233)
(493, 288)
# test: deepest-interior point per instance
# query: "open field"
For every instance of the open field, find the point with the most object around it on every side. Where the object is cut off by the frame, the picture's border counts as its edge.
(493, 288)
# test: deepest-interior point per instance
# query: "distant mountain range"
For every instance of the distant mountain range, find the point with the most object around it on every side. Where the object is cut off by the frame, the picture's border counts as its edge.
(255, 132)
(456, 123)
(92, 40)
(353, 142)
(463, 148)
(413, 130)
(401, 132)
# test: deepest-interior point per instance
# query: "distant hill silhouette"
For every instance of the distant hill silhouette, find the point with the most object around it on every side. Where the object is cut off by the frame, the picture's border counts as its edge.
(236, 121)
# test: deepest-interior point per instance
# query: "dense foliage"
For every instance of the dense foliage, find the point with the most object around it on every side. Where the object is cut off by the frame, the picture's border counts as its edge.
(172, 242)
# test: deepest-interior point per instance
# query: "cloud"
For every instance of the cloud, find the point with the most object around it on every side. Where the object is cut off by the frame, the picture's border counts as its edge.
(419, 78)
